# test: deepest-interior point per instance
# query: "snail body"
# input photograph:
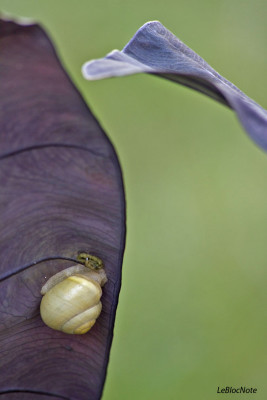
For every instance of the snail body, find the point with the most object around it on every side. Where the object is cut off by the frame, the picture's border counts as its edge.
(71, 301)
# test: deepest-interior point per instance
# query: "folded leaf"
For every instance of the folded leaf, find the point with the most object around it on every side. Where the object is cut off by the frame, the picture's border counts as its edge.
(61, 193)
(155, 50)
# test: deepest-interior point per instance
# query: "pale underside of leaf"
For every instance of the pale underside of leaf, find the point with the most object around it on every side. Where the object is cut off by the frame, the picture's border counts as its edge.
(155, 50)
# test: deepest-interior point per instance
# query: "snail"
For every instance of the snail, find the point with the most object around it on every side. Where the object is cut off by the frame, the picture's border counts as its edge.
(71, 301)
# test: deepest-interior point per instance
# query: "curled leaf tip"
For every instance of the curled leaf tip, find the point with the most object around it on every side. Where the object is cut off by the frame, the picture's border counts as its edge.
(113, 65)
(23, 21)
(155, 50)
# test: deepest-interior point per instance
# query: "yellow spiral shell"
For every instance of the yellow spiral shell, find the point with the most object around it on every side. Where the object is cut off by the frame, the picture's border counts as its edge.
(71, 301)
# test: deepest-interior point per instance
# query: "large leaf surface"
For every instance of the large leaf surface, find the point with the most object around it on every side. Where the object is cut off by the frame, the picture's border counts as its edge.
(155, 50)
(61, 193)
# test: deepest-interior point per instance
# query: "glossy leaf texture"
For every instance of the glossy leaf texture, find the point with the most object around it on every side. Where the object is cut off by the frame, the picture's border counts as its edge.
(155, 50)
(61, 193)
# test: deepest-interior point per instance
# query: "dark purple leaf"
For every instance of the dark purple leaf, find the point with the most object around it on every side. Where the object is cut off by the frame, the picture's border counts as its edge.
(61, 192)
(155, 50)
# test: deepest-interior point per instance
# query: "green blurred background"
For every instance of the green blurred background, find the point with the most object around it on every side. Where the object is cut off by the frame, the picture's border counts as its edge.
(191, 314)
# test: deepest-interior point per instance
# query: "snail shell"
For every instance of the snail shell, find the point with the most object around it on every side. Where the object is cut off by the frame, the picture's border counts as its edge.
(71, 301)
